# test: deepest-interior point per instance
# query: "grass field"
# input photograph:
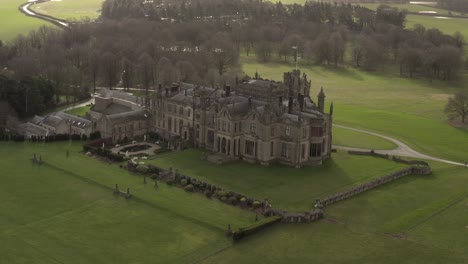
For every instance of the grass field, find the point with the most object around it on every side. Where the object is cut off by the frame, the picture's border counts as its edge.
(356, 231)
(446, 25)
(80, 111)
(410, 110)
(277, 182)
(409, 8)
(13, 22)
(418, 219)
(70, 9)
(65, 212)
(350, 138)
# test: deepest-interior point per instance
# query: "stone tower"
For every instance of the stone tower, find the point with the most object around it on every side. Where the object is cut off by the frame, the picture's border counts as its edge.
(321, 100)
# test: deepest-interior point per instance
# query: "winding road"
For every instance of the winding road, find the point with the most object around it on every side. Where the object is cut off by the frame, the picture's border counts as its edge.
(402, 149)
(25, 9)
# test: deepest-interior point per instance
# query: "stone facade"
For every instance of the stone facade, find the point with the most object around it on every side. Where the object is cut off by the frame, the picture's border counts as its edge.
(256, 120)
(119, 116)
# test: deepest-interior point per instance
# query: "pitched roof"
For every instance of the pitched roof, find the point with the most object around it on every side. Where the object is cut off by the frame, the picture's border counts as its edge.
(112, 109)
(129, 116)
(53, 121)
(33, 129)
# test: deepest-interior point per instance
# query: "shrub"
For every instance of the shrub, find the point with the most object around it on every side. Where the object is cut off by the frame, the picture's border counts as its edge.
(208, 194)
(183, 182)
(242, 232)
(142, 169)
(256, 204)
(222, 193)
(233, 200)
(243, 200)
(224, 198)
(95, 135)
(189, 188)
(161, 150)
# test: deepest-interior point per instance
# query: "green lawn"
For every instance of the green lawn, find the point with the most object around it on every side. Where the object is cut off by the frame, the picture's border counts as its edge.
(446, 25)
(350, 138)
(80, 111)
(65, 212)
(13, 22)
(70, 9)
(287, 188)
(356, 230)
(409, 8)
(408, 109)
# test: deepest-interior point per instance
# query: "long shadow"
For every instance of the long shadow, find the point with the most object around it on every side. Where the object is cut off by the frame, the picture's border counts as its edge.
(134, 198)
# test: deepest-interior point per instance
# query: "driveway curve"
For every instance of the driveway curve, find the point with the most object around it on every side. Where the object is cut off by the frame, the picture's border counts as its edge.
(402, 149)
(24, 8)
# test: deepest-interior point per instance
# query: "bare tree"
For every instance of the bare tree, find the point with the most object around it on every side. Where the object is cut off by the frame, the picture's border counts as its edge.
(457, 106)
(110, 69)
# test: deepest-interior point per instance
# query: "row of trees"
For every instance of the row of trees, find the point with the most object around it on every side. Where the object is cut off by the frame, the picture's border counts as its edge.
(27, 96)
(203, 46)
(454, 5)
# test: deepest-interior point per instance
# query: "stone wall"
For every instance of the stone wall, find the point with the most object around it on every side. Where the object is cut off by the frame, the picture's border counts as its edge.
(413, 170)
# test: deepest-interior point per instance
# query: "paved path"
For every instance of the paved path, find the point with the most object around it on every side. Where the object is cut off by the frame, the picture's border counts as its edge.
(402, 149)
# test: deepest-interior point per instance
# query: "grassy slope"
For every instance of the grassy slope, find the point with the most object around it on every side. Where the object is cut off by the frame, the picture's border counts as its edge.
(13, 22)
(288, 188)
(410, 110)
(354, 231)
(448, 26)
(65, 213)
(349, 138)
(408, 7)
(80, 111)
(70, 9)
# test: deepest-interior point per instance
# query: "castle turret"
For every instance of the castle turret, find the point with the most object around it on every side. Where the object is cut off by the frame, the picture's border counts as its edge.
(321, 100)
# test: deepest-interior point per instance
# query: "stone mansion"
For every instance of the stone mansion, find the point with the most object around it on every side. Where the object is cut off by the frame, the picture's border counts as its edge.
(257, 120)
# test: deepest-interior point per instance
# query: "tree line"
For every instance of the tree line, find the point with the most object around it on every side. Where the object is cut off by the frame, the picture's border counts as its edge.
(201, 41)
(454, 5)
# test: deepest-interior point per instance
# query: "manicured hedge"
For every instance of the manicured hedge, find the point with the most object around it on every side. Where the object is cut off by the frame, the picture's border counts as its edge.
(243, 232)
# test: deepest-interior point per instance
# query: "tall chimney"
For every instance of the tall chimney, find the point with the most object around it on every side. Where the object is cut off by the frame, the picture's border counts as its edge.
(290, 104)
(301, 101)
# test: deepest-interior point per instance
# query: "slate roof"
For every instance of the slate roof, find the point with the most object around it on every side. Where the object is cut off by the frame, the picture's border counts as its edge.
(74, 120)
(112, 109)
(53, 121)
(33, 129)
(129, 116)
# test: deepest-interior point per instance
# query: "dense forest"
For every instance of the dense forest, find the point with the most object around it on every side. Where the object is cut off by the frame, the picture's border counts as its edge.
(143, 44)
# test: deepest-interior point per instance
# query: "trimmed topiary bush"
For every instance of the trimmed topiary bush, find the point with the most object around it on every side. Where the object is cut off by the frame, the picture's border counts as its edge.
(183, 182)
(142, 169)
(222, 193)
(189, 188)
(232, 200)
(256, 204)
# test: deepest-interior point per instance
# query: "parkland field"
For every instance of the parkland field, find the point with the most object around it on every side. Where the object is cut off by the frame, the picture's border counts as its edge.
(64, 211)
(70, 9)
(13, 22)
